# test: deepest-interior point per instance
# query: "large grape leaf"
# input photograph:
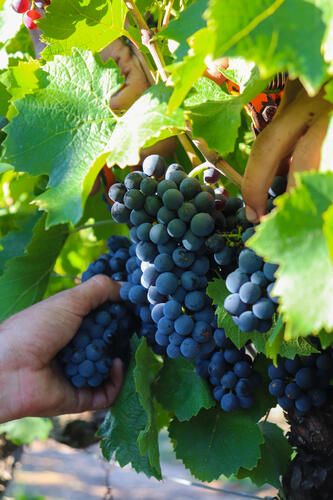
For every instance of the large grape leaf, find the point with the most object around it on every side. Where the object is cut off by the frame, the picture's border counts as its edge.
(293, 237)
(188, 21)
(145, 371)
(184, 399)
(215, 114)
(66, 133)
(278, 35)
(216, 442)
(26, 430)
(91, 25)
(274, 460)
(14, 243)
(187, 72)
(25, 278)
(123, 424)
(143, 124)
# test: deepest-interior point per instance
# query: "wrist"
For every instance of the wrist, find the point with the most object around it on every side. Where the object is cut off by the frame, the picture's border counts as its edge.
(8, 380)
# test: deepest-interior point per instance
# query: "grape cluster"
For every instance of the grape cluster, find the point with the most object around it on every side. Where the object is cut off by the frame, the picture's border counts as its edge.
(103, 336)
(302, 383)
(171, 217)
(230, 373)
(250, 302)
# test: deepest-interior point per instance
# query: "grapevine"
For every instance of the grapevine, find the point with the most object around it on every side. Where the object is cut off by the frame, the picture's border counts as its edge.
(195, 125)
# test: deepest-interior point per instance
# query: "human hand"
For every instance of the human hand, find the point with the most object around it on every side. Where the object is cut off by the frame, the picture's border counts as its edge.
(31, 383)
(293, 139)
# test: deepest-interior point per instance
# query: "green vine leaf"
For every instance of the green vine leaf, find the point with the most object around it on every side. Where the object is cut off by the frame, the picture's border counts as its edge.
(145, 372)
(87, 25)
(145, 123)
(14, 243)
(184, 399)
(26, 430)
(25, 278)
(123, 425)
(274, 460)
(71, 114)
(296, 228)
(215, 442)
(263, 32)
(213, 109)
(188, 21)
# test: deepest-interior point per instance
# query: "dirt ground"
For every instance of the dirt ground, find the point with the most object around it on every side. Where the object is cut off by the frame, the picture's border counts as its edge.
(58, 472)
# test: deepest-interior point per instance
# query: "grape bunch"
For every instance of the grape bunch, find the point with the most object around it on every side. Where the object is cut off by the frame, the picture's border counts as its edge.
(103, 335)
(302, 383)
(171, 217)
(230, 373)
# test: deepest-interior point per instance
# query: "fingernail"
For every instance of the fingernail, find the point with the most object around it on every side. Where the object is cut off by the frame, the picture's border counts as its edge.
(251, 215)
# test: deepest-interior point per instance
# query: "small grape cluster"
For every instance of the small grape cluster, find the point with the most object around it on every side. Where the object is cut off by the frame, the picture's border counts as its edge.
(103, 336)
(250, 284)
(250, 302)
(112, 264)
(30, 15)
(171, 216)
(230, 373)
(302, 383)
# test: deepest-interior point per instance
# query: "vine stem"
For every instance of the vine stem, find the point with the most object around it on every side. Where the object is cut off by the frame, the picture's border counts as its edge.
(210, 156)
(167, 14)
(146, 36)
(217, 161)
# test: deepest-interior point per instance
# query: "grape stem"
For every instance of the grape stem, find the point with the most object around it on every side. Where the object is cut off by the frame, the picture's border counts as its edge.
(213, 158)
(146, 37)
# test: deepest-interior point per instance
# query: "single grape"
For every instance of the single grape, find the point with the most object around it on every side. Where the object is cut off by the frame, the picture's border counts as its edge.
(119, 212)
(303, 403)
(163, 263)
(249, 293)
(20, 6)
(189, 348)
(305, 378)
(183, 258)
(235, 280)
(167, 283)
(195, 301)
(29, 17)
(148, 186)
(152, 205)
(158, 234)
(154, 165)
(202, 224)
(184, 325)
(133, 180)
(172, 309)
(211, 175)
(164, 186)
(277, 387)
(134, 199)
(187, 211)
(191, 242)
(164, 215)
(176, 228)
(233, 305)
(249, 262)
(263, 308)
(189, 188)
(229, 402)
(173, 199)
